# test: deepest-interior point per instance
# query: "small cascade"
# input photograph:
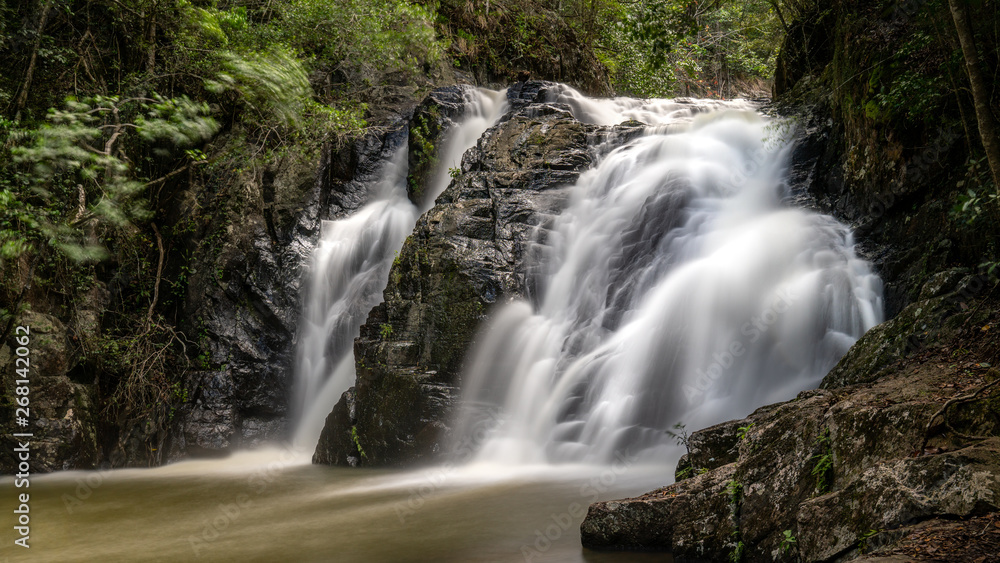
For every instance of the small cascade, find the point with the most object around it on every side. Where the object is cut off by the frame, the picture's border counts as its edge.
(483, 109)
(679, 287)
(350, 269)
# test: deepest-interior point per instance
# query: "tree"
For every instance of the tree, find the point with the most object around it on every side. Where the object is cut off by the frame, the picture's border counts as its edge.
(980, 93)
(75, 173)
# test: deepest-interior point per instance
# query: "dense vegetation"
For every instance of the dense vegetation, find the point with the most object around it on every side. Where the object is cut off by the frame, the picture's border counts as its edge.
(113, 108)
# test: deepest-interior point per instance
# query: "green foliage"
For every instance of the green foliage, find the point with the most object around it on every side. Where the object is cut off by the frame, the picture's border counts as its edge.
(788, 541)
(385, 331)
(73, 172)
(359, 37)
(681, 436)
(682, 47)
(906, 86)
(823, 467)
(863, 543)
(977, 197)
(422, 145)
(273, 84)
(734, 491)
(736, 555)
(742, 431)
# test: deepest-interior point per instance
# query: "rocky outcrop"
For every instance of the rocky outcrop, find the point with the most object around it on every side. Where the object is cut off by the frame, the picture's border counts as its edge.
(466, 254)
(846, 468)
(435, 115)
(904, 430)
(244, 296)
(61, 413)
(904, 436)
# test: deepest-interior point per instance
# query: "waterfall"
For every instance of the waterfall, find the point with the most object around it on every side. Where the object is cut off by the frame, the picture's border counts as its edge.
(482, 110)
(678, 286)
(350, 269)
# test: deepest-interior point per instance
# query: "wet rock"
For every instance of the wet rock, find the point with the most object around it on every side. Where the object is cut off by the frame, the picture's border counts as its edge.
(339, 432)
(245, 294)
(521, 94)
(466, 254)
(438, 113)
(672, 519)
(872, 451)
(61, 413)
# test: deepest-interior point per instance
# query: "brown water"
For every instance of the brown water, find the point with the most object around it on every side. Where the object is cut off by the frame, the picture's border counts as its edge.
(274, 506)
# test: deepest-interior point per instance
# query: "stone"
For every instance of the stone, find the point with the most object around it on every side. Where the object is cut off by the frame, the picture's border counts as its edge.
(467, 254)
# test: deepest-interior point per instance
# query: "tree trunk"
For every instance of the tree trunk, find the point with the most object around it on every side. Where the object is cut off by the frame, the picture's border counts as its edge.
(151, 50)
(22, 97)
(980, 93)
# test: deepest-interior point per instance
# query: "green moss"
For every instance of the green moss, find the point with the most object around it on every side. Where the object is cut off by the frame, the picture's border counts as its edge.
(357, 442)
(423, 152)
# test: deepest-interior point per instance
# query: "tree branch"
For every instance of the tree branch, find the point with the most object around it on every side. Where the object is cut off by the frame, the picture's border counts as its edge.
(159, 275)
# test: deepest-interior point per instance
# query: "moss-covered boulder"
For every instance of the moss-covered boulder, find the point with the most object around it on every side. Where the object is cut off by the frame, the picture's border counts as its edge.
(60, 413)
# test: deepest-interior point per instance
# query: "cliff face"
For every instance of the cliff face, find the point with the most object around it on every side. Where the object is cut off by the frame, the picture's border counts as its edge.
(244, 297)
(466, 254)
(887, 131)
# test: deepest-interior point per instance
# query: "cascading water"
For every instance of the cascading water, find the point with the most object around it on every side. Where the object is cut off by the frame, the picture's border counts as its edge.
(674, 286)
(483, 109)
(679, 289)
(350, 269)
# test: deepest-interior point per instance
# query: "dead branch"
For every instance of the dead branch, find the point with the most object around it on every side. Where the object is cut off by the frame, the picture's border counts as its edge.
(159, 275)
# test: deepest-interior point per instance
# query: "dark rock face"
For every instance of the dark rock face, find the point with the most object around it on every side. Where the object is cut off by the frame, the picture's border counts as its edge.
(651, 522)
(466, 254)
(436, 114)
(61, 410)
(244, 299)
(890, 174)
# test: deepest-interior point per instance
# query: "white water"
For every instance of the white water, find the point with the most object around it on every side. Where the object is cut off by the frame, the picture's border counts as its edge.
(483, 109)
(679, 289)
(350, 269)
(653, 112)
